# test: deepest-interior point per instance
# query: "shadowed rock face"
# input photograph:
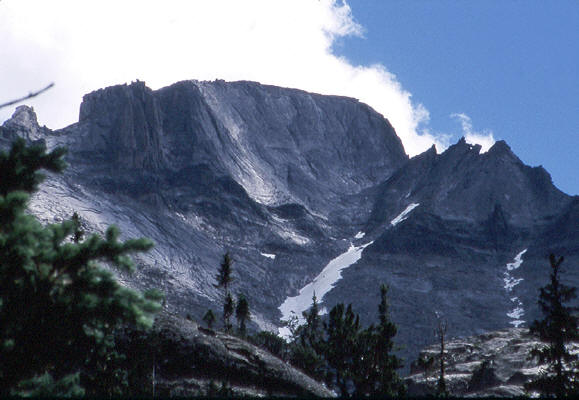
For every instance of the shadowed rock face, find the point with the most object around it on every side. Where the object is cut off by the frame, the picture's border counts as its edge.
(208, 167)
(492, 364)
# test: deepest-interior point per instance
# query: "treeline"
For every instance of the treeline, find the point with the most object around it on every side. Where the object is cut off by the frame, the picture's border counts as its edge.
(62, 314)
(356, 361)
(352, 359)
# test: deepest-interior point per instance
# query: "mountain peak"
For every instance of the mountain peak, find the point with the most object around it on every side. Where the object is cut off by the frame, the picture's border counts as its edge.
(24, 123)
(124, 126)
(501, 148)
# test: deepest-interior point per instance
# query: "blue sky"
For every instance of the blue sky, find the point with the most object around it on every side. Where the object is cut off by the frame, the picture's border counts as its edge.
(511, 66)
(437, 69)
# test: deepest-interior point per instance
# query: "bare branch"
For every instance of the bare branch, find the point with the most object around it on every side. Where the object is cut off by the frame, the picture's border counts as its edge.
(29, 96)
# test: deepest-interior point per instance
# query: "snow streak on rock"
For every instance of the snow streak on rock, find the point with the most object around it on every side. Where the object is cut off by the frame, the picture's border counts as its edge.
(272, 256)
(360, 235)
(510, 282)
(404, 214)
(321, 285)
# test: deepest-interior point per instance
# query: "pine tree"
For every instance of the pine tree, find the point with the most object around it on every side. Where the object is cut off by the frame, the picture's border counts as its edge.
(557, 329)
(441, 333)
(308, 346)
(58, 307)
(228, 308)
(341, 344)
(78, 234)
(224, 279)
(223, 276)
(385, 362)
(209, 318)
(310, 333)
(242, 313)
(375, 364)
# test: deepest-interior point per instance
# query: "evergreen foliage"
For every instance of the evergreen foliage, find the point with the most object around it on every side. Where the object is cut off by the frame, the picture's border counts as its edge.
(270, 342)
(354, 360)
(310, 334)
(308, 350)
(441, 333)
(223, 276)
(78, 234)
(209, 318)
(58, 307)
(242, 314)
(228, 308)
(224, 279)
(557, 329)
(379, 363)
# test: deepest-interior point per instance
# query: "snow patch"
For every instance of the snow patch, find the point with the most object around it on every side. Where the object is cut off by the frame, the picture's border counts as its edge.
(517, 262)
(360, 235)
(509, 284)
(272, 256)
(404, 214)
(516, 313)
(322, 284)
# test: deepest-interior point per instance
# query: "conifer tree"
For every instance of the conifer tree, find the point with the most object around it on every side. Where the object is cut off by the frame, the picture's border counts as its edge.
(375, 364)
(228, 309)
(242, 313)
(58, 307)
(209, 318)
(223, 276)
(557, 329)
(224, 279)
(308, 346)
(341, 344)
(385, 363)
(78, 234)
(310, 333)
(441, 333)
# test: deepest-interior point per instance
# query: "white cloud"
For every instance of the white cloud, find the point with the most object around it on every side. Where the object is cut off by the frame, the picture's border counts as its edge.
(83, 46)
(484, 138)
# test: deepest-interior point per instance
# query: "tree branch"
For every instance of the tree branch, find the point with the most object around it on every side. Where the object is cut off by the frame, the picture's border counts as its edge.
(29, 96)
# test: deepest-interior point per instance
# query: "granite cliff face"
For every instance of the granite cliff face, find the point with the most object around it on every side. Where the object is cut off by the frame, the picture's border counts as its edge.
(293, 184)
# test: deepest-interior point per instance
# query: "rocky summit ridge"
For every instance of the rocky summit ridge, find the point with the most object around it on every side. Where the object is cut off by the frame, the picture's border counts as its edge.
(288, 181)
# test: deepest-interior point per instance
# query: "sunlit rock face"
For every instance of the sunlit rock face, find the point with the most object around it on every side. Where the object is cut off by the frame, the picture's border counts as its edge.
(24, 124)
(290, 182)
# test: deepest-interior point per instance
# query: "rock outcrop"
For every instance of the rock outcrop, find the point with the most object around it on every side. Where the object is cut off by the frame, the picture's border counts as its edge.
(193, 361)
(493, 364)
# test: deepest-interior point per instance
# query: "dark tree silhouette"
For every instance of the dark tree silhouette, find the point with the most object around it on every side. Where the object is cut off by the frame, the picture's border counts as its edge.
(224, 279)
(78, 234)
(209, 318)
(341, 345)
(228, 309)
(441, 333)
(557, 329)
(223, 276)
(58, 307)
(242, 314)
(385, 362)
